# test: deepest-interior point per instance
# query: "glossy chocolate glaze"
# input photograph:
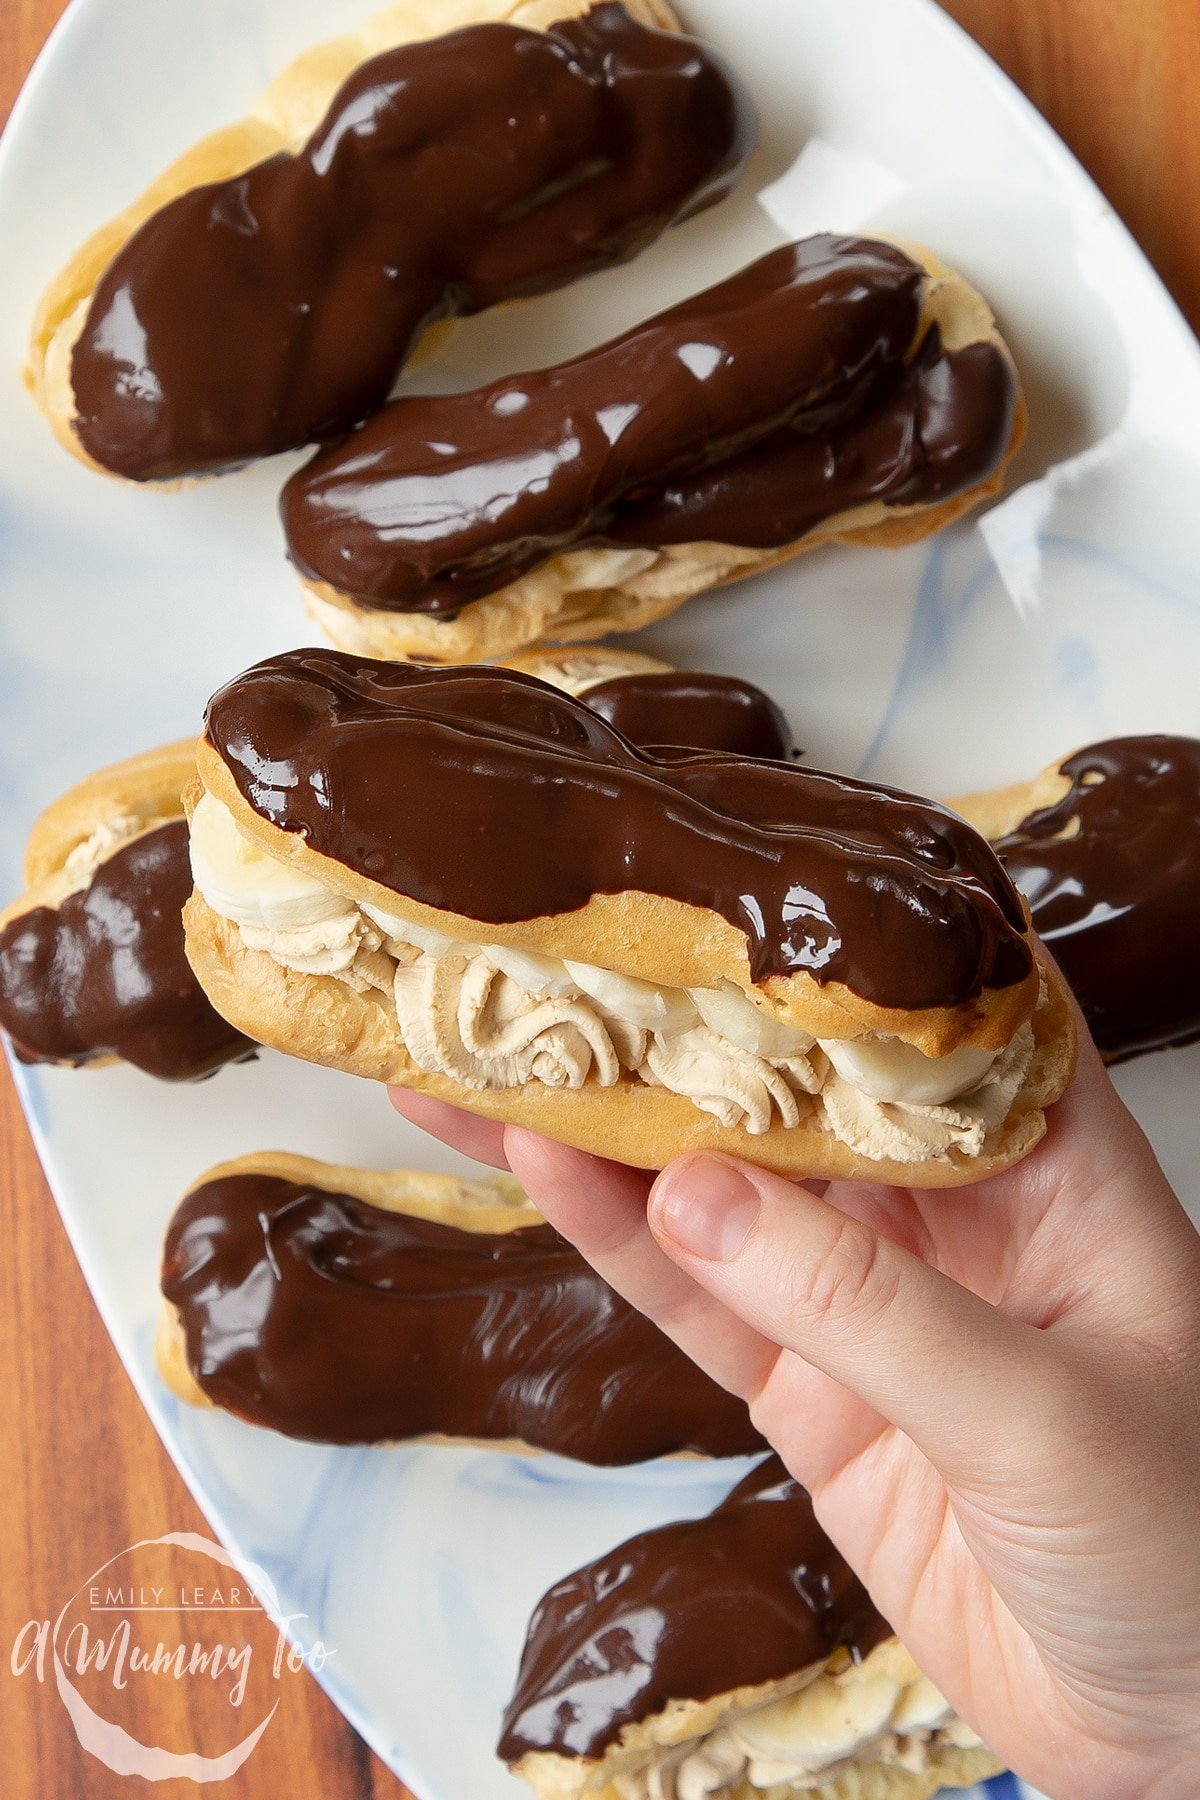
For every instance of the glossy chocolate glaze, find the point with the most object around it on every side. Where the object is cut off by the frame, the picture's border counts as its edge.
(753, 1593)
(705, 712)
(324, 1317)
(438, 500)
(275, 308)
(104, 973)
(889, 894)
(1118, 899)
(940, 428)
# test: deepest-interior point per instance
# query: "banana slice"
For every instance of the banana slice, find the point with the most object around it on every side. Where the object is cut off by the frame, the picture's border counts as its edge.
(824, 1723)
(895, 1071)
(538, 974)
(407, 931)
(243, 883)
(640, 1003)
(922, 1707)
(728, 1012)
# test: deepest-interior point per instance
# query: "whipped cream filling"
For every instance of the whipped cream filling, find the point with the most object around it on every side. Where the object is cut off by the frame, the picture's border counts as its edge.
(81, 865)
(493, 1017)
(866, 1715)
(575, 673)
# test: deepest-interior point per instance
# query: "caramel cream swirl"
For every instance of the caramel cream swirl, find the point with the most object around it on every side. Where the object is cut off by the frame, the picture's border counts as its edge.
(491, 1017)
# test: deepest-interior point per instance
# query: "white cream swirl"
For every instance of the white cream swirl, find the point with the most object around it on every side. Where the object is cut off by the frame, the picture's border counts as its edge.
(85, 858)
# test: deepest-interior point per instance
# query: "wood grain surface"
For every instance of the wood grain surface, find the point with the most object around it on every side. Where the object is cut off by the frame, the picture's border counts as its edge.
(84, 1474)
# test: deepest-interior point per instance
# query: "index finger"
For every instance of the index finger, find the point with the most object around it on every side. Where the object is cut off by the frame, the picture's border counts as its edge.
(482, 1139)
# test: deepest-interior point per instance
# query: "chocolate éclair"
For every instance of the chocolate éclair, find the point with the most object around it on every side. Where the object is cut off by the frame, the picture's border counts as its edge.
(468, 882)
(838, 388)
(351, 1306)
(264, 292)
(654, 704)
(1105, 847)
(92, 965)
(732, 1655)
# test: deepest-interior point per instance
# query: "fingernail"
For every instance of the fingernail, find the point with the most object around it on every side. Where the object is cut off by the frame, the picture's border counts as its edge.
(708, 1208)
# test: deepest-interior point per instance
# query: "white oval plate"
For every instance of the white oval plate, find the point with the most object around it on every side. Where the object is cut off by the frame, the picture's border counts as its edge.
(1068, 612)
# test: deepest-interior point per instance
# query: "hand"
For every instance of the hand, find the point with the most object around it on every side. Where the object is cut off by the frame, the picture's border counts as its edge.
(993, 1394)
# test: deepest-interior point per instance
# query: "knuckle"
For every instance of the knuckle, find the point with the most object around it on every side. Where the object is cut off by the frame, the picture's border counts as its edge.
(851, 1280)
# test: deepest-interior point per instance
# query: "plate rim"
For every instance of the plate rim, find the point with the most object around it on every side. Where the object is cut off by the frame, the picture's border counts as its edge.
(27, 1080)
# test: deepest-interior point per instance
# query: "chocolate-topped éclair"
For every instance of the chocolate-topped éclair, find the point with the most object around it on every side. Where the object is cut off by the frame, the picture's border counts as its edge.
(1105, 846)
(703, 712)
(653, 704)
(273, 306)
(734, 1653)
(940, 427)
(836, 385)
(324, 1314)
(714, 949)
(92, 963)
(446, 497)
(700, 711)
(363, 763)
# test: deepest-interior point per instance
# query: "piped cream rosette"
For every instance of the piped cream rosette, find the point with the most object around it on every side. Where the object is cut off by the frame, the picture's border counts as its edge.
(282, 119)
(306, 955)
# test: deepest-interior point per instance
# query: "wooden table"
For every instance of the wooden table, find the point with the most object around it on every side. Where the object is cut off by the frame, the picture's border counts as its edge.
(84, 1473)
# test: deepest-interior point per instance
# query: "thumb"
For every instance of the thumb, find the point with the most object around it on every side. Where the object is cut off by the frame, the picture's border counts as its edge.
(952, 1372)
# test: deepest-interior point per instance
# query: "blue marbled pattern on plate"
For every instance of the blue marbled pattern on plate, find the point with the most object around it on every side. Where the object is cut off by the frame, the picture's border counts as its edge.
(1068, 611)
